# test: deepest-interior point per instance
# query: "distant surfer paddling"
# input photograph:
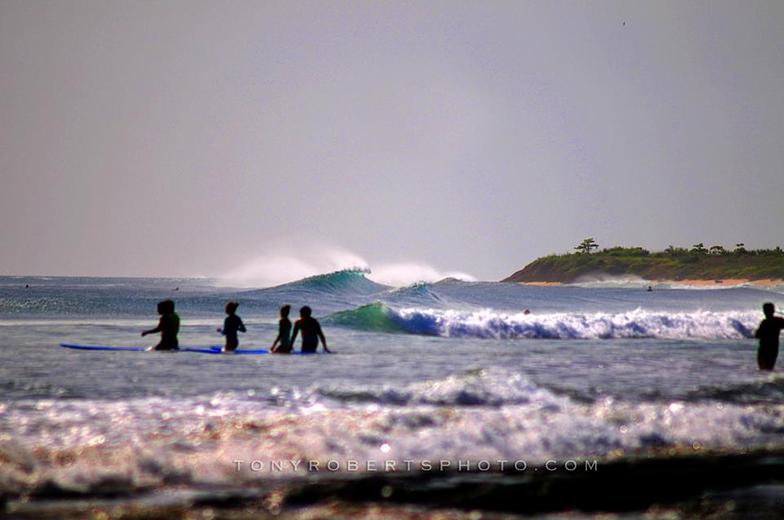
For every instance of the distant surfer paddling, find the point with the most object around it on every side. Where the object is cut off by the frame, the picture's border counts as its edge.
(168, 326)
(231, 326)
(768, 335)
(311, 331)
(283, 344)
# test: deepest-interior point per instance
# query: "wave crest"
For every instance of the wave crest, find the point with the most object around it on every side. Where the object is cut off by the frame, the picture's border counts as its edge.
(346, 282)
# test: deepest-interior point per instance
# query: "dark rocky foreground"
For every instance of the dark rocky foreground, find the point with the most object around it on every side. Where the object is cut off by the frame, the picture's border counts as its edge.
(735, 486)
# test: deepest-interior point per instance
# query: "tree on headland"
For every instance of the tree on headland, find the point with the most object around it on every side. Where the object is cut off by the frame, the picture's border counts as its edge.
(586, 246)
(740, 249)
(676, 251)
(699, 249)
(717, 250)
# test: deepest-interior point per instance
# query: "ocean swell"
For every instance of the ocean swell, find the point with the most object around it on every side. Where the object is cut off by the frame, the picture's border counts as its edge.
(352, 282)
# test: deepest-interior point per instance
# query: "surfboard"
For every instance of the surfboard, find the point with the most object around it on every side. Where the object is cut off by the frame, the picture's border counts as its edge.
(102, 347)
(215, 350)
(210, 350)
(218, 350)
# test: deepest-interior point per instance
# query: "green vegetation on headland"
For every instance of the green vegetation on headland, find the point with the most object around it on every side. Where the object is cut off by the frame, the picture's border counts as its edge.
(674, 263)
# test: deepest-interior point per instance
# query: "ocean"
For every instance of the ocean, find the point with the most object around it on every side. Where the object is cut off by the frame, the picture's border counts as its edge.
(442, 398)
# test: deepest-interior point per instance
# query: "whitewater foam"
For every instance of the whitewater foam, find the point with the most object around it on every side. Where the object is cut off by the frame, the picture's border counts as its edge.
(91, 446)
(403, 274)
(286, 266)
(497, 325)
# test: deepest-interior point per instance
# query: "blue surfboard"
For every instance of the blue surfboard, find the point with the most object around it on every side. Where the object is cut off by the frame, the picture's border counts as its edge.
(99, 347)
(214, 350)
(218, 349)
(210, 350)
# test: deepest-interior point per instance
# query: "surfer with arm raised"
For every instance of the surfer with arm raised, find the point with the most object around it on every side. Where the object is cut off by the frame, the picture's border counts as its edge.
(231, 326)
(168, 326)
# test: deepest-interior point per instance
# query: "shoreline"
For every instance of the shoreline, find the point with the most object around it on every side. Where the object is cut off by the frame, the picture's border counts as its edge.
(765, 283)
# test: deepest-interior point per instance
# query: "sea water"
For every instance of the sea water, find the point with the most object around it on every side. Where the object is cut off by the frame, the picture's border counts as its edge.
(446, 373)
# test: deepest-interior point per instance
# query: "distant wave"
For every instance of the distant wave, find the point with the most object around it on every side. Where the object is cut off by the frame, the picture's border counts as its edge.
(280, 264)
(495, 325)
(402, 274)
(416, 289)
(344, 281)
(419, 293)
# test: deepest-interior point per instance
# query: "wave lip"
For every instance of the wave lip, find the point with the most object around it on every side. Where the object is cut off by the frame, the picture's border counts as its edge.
(491, 324)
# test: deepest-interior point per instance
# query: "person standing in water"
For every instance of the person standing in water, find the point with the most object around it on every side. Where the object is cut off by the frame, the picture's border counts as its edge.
(768, 335)
(231, 325)
(168, 326)
(282, 344)
(311, 331)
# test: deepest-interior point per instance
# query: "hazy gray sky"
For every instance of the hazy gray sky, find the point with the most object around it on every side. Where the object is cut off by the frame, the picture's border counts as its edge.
(205, 138)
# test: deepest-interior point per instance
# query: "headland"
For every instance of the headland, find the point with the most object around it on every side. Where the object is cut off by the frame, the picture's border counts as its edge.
(698, 266)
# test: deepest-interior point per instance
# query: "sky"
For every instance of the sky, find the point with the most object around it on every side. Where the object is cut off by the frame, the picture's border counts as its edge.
(265, 141)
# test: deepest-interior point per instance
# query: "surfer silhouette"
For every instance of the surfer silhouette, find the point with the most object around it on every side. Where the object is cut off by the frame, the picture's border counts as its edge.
(768, 335)
(283, 343)
(168, 326)
(231, 325)
(311, 331)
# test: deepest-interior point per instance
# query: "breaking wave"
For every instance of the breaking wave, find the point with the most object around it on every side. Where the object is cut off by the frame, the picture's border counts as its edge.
(497, 325)
(55, 448)
(346, 281)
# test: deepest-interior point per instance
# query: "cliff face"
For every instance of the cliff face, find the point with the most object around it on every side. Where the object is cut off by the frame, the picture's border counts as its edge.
(657, 266)
(540, 270)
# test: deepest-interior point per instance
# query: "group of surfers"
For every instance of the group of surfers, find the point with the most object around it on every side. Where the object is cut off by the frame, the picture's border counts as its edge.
(306, 325)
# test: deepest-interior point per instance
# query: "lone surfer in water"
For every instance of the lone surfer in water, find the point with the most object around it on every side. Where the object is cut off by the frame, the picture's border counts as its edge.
(768, 335)
(311, 331)
(168, 326)
(283, 344)
(231, 326)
